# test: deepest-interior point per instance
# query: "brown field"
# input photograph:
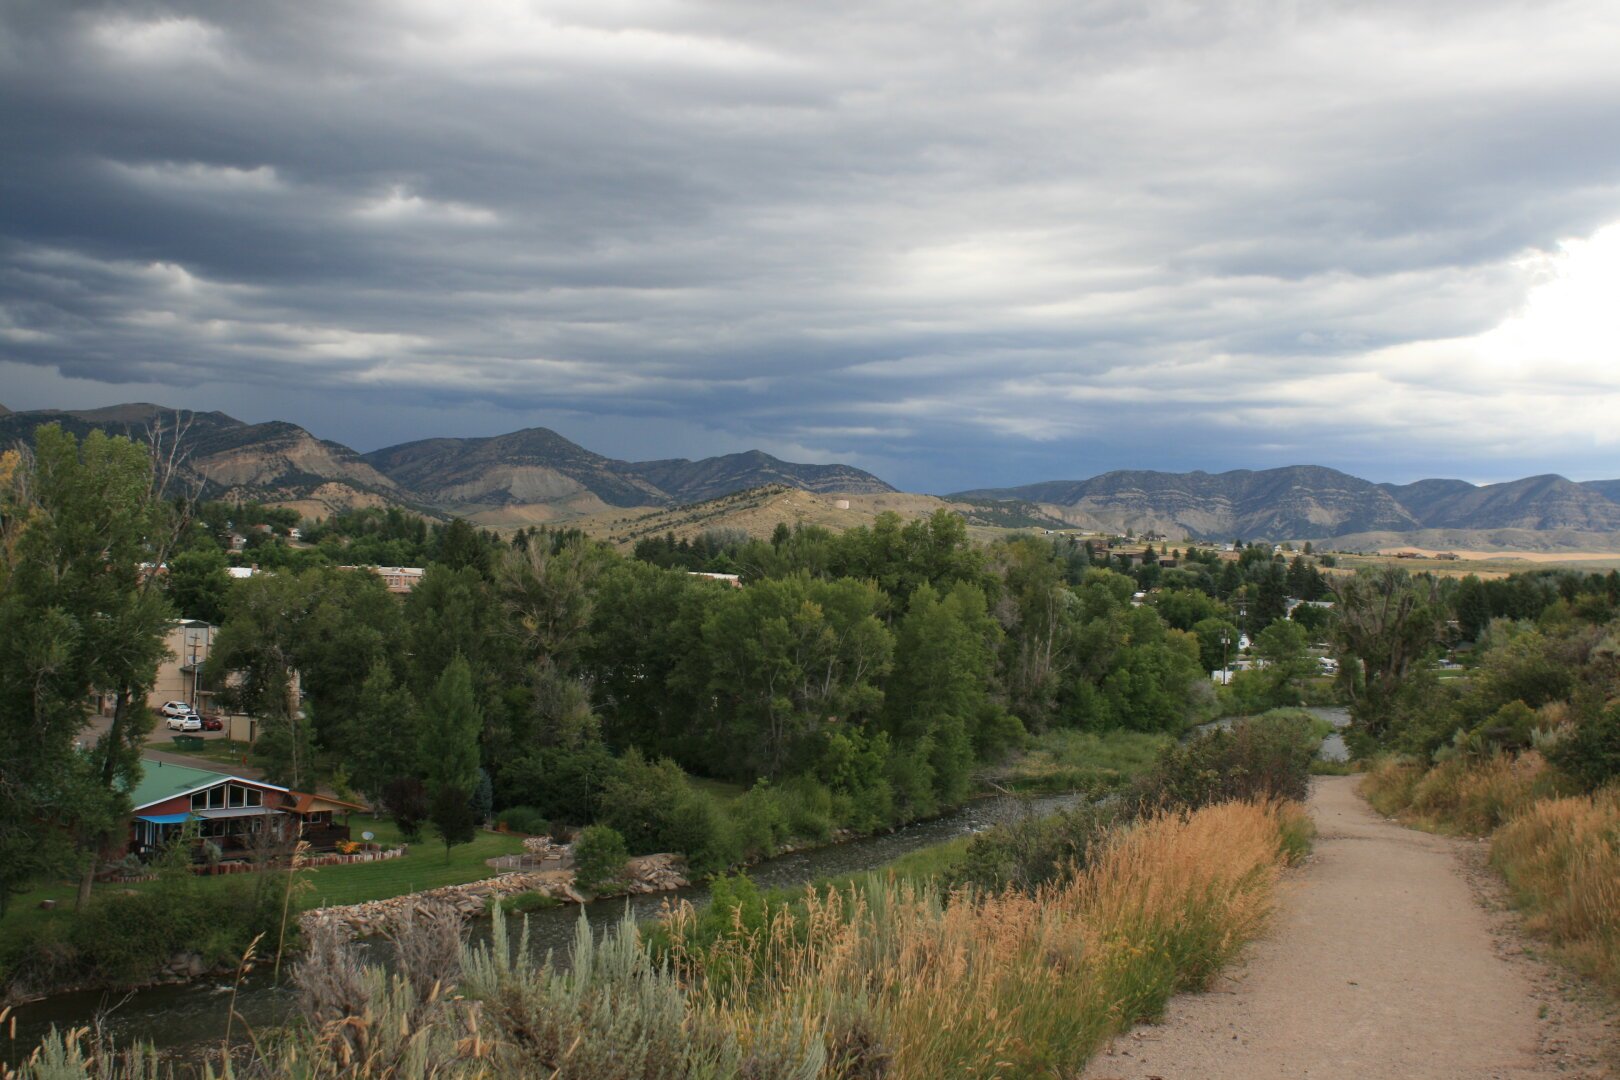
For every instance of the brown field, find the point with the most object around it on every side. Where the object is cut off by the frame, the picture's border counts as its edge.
(1485, 564)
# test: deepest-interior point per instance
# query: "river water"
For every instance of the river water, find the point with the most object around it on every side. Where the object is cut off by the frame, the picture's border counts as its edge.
(185, 1018)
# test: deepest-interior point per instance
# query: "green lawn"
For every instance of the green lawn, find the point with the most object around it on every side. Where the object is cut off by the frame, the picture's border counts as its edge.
(1068, 760)
(423, 867)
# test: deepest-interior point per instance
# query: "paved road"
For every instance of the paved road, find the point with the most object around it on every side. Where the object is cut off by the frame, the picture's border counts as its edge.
(1383, 964)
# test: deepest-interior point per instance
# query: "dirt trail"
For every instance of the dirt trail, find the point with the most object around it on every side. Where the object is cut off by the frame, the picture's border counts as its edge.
(1385, 962)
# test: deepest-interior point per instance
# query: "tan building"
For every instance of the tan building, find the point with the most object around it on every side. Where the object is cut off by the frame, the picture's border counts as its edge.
(179, 677)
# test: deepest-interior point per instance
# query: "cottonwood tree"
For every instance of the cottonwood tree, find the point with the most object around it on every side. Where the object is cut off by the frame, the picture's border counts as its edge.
(789, 659)
(82, 528)
(254, 660)
(1388, 622)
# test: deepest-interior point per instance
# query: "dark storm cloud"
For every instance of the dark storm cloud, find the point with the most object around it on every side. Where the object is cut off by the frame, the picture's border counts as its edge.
(997, 243)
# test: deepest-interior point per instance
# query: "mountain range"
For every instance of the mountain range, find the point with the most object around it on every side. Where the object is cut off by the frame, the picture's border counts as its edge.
(1312, 502)
(525, 476)
(537, 475)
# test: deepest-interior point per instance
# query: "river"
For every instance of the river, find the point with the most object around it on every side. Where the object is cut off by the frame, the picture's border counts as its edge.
(184, 1018)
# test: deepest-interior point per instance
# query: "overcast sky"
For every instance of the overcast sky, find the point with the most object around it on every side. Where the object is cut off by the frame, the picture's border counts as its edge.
(959, 245)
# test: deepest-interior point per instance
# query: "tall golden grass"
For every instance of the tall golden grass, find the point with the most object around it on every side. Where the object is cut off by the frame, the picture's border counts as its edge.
(909, 983)
(1468, 796)
(1561, 858)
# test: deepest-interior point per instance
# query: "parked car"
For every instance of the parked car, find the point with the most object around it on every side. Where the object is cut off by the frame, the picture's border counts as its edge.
(176, 708)
(188, 722)
(213, 723)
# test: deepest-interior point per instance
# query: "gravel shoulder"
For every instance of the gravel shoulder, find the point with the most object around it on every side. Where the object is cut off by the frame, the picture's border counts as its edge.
(1392, 956)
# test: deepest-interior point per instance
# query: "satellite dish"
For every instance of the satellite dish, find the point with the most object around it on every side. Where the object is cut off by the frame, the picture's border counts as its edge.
(368, 836)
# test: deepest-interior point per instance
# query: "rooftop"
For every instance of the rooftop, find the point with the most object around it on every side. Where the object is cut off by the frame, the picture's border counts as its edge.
(164, 780)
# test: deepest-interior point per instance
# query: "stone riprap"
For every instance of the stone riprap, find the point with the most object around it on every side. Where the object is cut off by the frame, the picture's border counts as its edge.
(644, 874)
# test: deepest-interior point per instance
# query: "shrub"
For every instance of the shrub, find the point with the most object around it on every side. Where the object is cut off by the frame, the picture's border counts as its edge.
(654, 808)
(525, 819)
(1590, 750)
(599, 857)
(525, 902)
(1035, 850)
(1262, 757)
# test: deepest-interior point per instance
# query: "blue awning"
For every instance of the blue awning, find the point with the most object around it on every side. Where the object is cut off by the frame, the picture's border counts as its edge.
(163, 819)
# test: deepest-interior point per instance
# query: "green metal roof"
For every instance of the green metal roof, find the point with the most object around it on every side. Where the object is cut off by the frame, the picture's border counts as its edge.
(164, 780)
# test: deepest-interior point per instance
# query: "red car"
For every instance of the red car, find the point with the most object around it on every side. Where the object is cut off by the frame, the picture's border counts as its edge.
(213, 723)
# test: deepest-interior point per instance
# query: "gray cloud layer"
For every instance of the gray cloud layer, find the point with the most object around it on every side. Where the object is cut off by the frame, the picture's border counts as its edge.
(990, 243)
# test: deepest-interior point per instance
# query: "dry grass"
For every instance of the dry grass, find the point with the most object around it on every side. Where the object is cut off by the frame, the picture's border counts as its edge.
(915, 984)
(892, 980)
(1561, 857)
(1463, 796)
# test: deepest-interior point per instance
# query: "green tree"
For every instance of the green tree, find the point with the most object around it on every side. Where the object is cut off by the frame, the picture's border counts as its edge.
(789, 660)
(599, 857)
(939, 693)
(80, 528)
(197, 583)
(1387, 624)
(383, 733)
(254, 662)
(452, 816)
(450, 729)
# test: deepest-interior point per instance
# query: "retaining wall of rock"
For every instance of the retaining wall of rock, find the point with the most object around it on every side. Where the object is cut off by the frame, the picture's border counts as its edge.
(646, 874)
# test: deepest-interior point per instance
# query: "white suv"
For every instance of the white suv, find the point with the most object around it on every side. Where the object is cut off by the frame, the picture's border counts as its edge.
(190, 722)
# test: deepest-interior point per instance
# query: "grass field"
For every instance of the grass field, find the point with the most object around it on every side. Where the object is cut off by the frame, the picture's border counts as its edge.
(1067, 760)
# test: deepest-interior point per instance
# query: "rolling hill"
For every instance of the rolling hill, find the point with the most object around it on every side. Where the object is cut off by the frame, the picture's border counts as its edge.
(1307, 502)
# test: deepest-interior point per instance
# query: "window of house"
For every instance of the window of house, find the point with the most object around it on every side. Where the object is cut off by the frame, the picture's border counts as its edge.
(216, 797)
(237, 795)
(255, 797)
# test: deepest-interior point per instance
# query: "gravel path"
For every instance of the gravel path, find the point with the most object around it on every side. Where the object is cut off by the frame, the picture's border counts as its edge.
(1391, 957)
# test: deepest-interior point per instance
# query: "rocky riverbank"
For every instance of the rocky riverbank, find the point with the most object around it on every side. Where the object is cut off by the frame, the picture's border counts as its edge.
(644, 874)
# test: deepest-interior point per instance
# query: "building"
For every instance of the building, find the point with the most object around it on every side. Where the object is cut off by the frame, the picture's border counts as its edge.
(734, 580)
(179, 677)
(398, 579)
(232, 812)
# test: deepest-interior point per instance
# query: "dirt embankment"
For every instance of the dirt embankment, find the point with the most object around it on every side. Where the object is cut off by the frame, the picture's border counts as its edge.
(1391, 959)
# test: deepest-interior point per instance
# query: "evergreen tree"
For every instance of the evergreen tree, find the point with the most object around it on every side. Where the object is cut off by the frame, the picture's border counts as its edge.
(383, 734)
(452, 817)
(450, 731)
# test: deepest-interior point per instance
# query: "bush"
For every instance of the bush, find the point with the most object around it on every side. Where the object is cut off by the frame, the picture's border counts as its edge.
(524, 902)
(599, 857)
(524, 819)
(654, 808)
(1035, 850)
(1590, 751)
(1263, 757)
